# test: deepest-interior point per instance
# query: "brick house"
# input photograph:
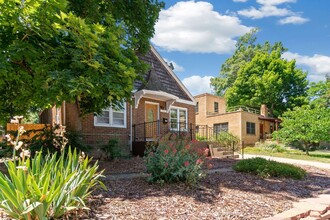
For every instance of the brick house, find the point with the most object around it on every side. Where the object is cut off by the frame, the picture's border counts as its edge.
(161, 103)
(248, 124)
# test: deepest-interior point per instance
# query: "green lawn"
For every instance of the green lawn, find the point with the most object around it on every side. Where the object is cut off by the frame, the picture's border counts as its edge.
(320, 156)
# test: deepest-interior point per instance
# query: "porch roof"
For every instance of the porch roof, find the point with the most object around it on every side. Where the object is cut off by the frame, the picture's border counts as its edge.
(157, 95)
(269, 119)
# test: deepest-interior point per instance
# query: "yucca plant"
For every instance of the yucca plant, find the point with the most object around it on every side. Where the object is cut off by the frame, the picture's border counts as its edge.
(47, 187)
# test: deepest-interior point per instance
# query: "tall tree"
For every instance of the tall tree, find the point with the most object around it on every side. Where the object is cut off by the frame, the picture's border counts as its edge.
(246, 49)
(269, 79)
(83, 52)
(306, 125)
(319, 93)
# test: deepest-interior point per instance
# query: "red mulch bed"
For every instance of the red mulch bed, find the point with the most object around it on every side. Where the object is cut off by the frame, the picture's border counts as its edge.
(224, 195)
(137, 165)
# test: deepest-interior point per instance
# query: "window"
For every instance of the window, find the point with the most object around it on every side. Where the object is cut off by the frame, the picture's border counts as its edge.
(179, 119)
(196, 107)
(250, 128)
(111, 118)
(216, 107)
(220, 127)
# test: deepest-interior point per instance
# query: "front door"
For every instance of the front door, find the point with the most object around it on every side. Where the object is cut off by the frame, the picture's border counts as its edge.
(261, 131)
(151, 119)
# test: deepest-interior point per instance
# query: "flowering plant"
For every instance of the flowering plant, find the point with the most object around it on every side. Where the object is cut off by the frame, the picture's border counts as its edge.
(45, 187)
(175, 159)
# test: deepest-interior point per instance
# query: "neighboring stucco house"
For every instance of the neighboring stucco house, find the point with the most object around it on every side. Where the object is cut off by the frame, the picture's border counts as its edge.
(160, 104)
(248, 124)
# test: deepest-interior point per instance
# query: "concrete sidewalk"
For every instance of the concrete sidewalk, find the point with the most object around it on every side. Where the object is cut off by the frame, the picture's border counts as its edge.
(307, 209)
(291, 161)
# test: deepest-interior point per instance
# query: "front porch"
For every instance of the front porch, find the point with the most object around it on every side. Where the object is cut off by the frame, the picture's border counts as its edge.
(152, 131)
(148, 132)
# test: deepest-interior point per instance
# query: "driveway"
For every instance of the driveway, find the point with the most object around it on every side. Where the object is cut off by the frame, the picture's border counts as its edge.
(291, 161)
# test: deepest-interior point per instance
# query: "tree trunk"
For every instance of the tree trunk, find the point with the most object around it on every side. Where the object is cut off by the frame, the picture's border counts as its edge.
(307, 146)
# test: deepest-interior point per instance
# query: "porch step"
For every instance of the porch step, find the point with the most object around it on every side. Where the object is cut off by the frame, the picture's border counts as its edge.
(224, 154)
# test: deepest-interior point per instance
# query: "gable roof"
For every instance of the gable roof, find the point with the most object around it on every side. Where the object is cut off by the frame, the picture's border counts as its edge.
(162, 78)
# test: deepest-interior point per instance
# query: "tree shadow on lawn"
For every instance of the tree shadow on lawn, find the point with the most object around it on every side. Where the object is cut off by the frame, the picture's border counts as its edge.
(213, 186)
(325, 156)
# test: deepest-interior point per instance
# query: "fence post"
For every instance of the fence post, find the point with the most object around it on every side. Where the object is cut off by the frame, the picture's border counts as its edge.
(145, 132)
(242, 149)
(191, 132)
(207, 130)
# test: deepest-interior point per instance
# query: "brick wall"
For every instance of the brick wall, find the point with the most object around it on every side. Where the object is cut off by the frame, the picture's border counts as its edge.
(95, 136)
(139, 114)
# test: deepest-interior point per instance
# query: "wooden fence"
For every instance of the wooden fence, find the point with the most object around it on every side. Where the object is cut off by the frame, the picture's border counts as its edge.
(31, 129)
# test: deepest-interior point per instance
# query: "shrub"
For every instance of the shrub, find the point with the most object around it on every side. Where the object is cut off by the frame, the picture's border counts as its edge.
(5, 149)
(226, 139)
(44, 188)
(268, 168)
(272, 147)
(175, 159)
(112, 149)
(52, 140)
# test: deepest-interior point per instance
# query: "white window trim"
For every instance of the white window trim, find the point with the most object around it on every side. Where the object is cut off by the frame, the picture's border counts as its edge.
(110, 124)
(178, 119)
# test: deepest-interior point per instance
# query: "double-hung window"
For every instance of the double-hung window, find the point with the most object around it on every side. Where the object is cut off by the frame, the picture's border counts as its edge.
(216, 107)
(179, 119)
(220, 127)
(111, 117)
(251, 128)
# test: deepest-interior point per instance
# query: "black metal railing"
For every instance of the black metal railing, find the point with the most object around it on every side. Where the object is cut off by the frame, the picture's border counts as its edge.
(153, 130)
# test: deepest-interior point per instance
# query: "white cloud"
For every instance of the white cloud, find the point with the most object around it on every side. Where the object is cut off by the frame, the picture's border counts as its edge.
(293, 20)
(197, 84)
(275, 2)
(264, 11)
(269, 8)
(195, 27)
(177, 67)
(317, 65)
(240, 0)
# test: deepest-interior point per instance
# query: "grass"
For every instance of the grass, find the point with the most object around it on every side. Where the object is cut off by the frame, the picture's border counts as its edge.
(319, 156)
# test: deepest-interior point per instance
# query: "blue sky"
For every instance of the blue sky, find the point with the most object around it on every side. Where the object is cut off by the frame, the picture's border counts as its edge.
(198, 36)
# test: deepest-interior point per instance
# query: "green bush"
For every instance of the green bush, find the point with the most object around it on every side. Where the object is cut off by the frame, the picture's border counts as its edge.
(112, 149)
(226, 139)
(47, 187)
(174, 160)
(268, 168)
(5, 149)
(272, 147)
(52, 140)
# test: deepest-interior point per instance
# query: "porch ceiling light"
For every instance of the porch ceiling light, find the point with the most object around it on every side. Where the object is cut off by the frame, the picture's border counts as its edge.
(156, 95)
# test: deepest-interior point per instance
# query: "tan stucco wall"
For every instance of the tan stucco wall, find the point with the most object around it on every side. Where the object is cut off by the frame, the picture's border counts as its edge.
(206, 103)
(236, 120)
